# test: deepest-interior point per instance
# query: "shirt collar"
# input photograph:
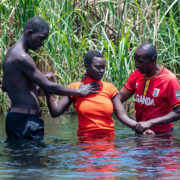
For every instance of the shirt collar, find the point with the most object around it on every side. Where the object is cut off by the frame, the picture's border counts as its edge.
(88, 80)
(159, 72)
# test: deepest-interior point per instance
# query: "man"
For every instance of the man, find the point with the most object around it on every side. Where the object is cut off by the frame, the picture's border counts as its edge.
(157, 92)
(20, 79)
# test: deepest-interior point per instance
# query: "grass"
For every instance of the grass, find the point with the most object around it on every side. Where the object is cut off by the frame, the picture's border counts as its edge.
(113, 27)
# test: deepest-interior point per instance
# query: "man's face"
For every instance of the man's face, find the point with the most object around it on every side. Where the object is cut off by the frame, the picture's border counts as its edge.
(142, 63)
(96, 69)
(36, 40)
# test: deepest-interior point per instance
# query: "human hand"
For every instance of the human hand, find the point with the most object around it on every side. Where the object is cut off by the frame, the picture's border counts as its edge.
(50, 76)
(142, 126)
(91, 88)
(149, 132)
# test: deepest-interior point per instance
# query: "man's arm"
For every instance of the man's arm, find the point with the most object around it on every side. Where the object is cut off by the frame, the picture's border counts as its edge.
(57, 108)
(121, 114)
(123, 95)
(27, 66)
(173, 116)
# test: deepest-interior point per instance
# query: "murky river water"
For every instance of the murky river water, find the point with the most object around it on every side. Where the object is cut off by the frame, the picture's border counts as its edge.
(62, 156)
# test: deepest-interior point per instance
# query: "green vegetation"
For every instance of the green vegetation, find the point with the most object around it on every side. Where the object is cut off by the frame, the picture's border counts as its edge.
(114, 27)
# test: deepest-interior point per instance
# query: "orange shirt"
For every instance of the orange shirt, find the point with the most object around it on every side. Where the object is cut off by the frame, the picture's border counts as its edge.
(95, 110)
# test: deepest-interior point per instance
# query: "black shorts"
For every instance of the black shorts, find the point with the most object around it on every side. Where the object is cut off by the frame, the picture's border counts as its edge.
(24, 126)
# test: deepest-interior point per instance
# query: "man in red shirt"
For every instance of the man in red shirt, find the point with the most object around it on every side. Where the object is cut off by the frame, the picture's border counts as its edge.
(156, 90)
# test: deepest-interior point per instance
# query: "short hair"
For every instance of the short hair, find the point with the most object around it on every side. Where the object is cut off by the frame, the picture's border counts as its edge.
(149, 49)
(36, 24)
(90, 55)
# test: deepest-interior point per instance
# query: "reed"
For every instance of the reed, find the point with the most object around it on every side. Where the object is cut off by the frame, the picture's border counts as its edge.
(114, 27)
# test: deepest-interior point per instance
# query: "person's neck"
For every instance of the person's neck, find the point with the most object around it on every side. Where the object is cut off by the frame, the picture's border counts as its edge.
(154, 71)
(24, 43)
(87, 78)
(20, 44)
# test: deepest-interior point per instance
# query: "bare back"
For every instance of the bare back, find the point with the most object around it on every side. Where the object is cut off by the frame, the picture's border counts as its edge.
(20, 88)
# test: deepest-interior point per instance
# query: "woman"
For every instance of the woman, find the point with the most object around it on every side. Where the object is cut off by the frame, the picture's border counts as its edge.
(94, 111)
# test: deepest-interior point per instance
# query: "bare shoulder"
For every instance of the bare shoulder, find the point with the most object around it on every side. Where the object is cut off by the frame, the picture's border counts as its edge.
(16, 62)
(16, 55)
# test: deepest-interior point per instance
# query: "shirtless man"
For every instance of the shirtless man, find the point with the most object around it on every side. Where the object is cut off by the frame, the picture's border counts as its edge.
(20, 78)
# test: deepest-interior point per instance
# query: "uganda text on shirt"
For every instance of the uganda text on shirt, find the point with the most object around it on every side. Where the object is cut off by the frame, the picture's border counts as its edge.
(144, 100)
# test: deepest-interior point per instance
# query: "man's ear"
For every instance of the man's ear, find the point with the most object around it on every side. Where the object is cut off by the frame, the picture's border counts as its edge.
(28, 32)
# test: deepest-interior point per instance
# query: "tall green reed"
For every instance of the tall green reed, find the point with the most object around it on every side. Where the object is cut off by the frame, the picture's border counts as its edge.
(113, 27)
(13, 16)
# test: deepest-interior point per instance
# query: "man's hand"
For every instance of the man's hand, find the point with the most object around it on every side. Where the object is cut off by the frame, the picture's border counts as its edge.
(148, 132)
(142, 126)
(50, 76)
(91, 88)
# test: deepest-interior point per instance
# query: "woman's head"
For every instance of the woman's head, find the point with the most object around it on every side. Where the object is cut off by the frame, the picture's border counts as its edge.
(94, 63)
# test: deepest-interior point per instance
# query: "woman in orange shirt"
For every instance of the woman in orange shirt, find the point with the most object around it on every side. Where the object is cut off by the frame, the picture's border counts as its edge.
(95, 110)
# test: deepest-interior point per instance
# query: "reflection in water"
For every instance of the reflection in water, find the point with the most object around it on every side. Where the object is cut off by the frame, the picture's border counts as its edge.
(157, 157)
(23, 155)
(63, 156)
(98, 157)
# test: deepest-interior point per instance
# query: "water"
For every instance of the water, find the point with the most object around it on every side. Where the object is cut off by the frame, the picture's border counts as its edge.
(62, 156)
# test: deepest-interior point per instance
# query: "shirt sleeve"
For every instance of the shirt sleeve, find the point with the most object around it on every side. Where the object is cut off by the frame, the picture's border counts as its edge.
(113, 90)
(129, 87)
(173, 92)
(73, 86)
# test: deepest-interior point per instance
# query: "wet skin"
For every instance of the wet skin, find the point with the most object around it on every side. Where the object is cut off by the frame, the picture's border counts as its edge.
(37, 40)
(21, 76)
(20, 89)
